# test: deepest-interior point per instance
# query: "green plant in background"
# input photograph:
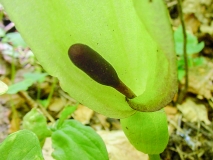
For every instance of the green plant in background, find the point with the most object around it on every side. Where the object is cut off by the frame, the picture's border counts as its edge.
(128, 35)
(69, 135)
(12, 41)
(29, 79)
(65, 134)
(192, 48)
(14, 38)
(25, 139)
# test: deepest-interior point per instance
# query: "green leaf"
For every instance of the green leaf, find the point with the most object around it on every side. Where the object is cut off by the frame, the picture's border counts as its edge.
(35, 76)
(192, 43)
(44, 102)
(147, 131)
(140, 50)
(20, 86)
(68, 110)
(14, 38)
(37, 123)
(2, 32)
(76, 141)
(22, 145)
(154, 157)
(181, 74)
(30, 78)
(198, 61)
(3, 87)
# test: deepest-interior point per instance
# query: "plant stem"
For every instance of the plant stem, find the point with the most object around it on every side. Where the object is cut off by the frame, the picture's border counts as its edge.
(184, 91)
(34, 104)
(51, 91)
(154, 157)
(122, 88)
(13, 68)
(38, 91)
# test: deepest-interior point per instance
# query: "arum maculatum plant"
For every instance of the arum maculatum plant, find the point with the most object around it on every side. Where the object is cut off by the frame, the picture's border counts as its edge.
(122, 56)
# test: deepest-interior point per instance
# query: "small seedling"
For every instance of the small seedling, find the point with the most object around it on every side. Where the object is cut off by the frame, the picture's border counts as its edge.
(192, 48)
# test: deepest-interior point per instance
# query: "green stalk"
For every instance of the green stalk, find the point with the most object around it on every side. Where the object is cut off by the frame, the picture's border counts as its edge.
(184, 91)
(38, 91)
(51, 92)
(154, 157)
(13, 69)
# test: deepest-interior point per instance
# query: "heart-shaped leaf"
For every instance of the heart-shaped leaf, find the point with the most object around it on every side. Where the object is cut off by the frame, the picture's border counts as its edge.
(37, 123)
(76, 141)
(22, 145)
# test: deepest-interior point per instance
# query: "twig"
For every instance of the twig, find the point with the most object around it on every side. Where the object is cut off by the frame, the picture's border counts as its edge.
(180, 152)
(206, 134)
(9, 26)
(34, 104)
(184, 91)
(172, 3)
(210, 131)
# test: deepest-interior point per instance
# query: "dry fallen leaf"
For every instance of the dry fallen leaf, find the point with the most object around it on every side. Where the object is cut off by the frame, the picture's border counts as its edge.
(103, 121)
(15, 121)
(172, 114)
(200, 80)
(192, 23)
(83, 114)
(202, 10)
(119, 148)
(4, 122)
(194, 112)
(170, 110)
(57, 104)
(47, 149)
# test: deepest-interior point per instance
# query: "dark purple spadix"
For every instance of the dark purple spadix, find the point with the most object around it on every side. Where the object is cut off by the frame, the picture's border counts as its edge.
(95, 66)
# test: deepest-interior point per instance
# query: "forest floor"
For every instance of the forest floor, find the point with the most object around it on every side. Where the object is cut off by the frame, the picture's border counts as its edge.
(190, 120)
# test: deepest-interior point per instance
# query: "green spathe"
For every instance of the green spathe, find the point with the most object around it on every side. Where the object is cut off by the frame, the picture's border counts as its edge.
(147, 132)
(113, 28)
(162, 82)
